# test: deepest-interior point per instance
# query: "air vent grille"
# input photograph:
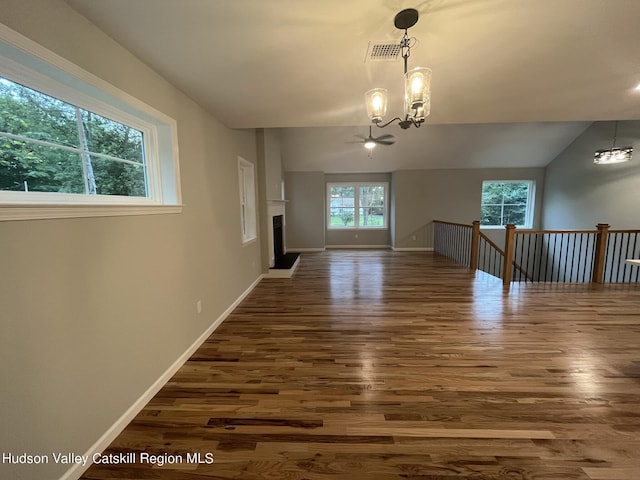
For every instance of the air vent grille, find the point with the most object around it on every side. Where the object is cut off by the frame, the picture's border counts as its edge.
(383, 51)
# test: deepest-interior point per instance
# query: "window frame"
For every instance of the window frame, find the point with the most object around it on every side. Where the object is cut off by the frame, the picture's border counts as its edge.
(248, 197)
(27, 63)
(356, 216)
(529, 208)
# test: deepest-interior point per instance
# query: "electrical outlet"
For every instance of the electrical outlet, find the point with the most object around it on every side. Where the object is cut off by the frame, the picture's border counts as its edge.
(199, 306)
(356, 235)
(413, 238)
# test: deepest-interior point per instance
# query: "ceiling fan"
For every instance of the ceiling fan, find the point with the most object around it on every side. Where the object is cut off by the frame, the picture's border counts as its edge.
(371, 141)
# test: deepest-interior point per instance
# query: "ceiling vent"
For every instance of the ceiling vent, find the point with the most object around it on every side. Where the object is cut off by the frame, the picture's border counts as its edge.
(383, 52)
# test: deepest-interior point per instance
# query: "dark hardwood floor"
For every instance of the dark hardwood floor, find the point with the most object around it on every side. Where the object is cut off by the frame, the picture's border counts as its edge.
(379, 365)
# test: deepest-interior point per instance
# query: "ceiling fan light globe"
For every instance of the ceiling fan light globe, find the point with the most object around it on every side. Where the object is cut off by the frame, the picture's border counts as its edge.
(369, 144)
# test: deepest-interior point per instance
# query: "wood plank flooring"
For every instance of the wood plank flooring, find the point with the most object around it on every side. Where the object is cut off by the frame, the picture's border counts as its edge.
(379, 365)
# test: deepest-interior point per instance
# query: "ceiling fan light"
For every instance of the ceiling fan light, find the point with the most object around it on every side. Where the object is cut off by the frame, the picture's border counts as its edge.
(612, 155)
(417, 89)
(369, 144)
(376, 101)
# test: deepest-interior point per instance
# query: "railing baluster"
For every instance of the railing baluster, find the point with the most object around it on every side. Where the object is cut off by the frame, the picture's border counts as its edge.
(550, 256)
(565, 256)
(573, 256)
(633, 254)
(521, 240)
(581, 254)
(623, 263)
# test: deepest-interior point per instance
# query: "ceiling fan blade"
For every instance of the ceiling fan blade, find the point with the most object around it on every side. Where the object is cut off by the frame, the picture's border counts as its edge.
(385, 142)
(361, 137)
(387, 136)
(356, 141)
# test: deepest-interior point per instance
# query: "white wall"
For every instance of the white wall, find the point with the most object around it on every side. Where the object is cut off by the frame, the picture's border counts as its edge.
(93, 311)
(580, 194)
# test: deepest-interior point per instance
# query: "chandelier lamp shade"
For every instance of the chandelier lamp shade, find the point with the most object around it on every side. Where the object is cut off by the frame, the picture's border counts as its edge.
(614, 154)
(417, 84)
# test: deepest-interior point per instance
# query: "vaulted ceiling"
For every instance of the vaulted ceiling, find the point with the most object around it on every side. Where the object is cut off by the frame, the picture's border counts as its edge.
(549, 66)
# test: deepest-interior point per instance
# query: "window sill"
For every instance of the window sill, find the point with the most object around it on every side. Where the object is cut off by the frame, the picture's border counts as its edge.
(42, 212)
(249, 241)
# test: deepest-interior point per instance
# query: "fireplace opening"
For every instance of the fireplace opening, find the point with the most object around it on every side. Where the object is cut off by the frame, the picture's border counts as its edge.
(282, 260)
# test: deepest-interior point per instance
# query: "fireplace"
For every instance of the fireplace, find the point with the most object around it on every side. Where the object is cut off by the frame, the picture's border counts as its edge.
(282, 260)
(282, 264)
(278, 238)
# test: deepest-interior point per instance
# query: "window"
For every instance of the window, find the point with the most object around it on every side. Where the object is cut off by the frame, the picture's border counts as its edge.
(47, 145)
(73, 145)
(246, 176)
(507, 201)
(357, 205)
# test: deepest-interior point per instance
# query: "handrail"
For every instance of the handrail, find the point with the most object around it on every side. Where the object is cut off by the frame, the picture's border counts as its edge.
(560, 255)
(492, 243)
(624, 231)
(539, 232)
(452, 223)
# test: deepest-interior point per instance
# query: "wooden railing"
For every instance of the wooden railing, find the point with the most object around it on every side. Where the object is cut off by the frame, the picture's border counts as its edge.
(561, 256)
(454, 241)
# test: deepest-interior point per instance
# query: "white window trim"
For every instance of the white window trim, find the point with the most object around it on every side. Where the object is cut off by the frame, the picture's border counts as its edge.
(530, 204)
(357, 208)
(26, 62)
(248, 197)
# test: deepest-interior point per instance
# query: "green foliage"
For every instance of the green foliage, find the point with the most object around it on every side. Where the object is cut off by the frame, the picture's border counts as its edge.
(504, 203)
(24, 165)
(347, 217)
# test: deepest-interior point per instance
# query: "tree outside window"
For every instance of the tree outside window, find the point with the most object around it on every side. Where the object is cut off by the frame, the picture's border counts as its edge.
(505, 202)
(47, 145)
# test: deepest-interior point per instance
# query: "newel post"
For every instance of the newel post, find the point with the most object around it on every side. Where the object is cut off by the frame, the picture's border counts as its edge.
(507, 268)
(600, 253)
(475, 240)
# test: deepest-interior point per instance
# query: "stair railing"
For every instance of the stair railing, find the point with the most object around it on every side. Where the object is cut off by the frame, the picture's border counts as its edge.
(560, 256)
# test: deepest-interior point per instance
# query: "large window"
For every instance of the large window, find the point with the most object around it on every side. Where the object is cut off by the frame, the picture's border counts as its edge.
(73, 145)
(357, 205)
(47, 145)
(507, 201)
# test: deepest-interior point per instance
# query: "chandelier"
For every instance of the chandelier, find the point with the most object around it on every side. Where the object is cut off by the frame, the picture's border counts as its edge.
(613, 154)
(417, 83)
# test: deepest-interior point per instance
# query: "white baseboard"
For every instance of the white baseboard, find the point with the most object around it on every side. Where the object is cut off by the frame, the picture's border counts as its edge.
(412, 249)
(110, 435)
(302, 250)
(378, 247)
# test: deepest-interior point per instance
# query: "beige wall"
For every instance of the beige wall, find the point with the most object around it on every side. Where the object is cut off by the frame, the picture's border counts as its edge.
(422, 196)
(273, 159)
(304, 210)
(580, 194)
(94, 310)
(418, 197)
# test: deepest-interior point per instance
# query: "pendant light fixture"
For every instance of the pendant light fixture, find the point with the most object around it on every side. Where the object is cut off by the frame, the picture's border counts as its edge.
(613, 154)
(417, 83)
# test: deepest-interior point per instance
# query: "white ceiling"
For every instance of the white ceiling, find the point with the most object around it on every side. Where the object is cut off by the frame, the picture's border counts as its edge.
(433, 146)
(301, 63)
